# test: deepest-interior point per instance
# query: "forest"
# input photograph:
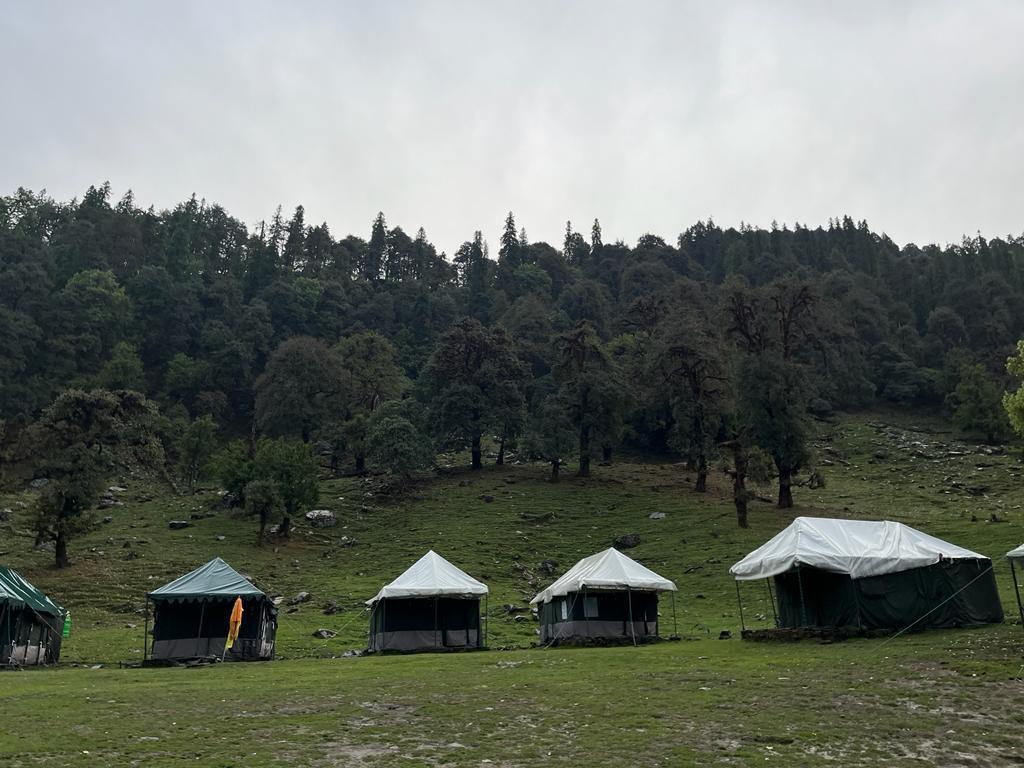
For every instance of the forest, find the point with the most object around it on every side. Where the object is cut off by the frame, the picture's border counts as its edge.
(186, 341)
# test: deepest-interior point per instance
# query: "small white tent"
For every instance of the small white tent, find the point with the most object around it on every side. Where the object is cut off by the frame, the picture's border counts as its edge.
(606, 596)
(433, 605)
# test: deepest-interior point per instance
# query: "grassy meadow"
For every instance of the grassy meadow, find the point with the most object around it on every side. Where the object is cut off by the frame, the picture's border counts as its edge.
(951, 698)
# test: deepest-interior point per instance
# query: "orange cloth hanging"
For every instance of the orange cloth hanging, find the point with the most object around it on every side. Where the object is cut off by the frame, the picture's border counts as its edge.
(234, 624)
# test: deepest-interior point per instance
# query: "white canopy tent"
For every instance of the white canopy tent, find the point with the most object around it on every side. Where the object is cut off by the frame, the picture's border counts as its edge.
(432, 606)
(858, 548)
(865, 573)
(607, 597)
(431, 576)
(609, 569)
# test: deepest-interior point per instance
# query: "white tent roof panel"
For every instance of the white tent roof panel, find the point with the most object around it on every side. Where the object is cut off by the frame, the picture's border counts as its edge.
(606, 570)
(431, 576)
(860, 548)
(1016, 554)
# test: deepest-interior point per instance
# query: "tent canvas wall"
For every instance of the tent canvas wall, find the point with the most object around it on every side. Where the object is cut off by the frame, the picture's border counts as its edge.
(432, 606)
(872, 575)
(191, 615)
(30, 623)
(607, 596)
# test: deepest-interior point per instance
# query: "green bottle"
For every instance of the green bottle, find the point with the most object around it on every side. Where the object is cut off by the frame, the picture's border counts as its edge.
(67, 624)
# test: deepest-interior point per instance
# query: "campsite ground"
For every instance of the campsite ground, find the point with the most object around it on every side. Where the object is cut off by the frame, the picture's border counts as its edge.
(939, 698)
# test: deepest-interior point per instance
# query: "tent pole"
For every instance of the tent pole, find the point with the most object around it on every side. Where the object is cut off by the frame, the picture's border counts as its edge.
(435, 621)
(739, 601)
(145, 633)
(199, 631)
(771, 597)
(675, 628)
(487, 625)
(1016, 589)
(803, 604)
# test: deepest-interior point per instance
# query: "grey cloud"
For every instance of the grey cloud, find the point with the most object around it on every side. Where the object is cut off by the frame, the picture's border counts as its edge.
(448, 114)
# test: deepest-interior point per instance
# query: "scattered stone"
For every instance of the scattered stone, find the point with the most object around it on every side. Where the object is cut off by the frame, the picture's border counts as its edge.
(321, 518)
(177, 525)
(39, 482)
(131, 554)
(325, 634)
(657, 516)
(45, 546)
(725, 634)
(116, 489)
(465, 483)
(548, 567)
(108, 519)
(512, 609)
(106, 503)
(487, 498)
(5, 515)
(332, 608)
(302, 597)
(130, 626)
(351, 653)
(628, 541)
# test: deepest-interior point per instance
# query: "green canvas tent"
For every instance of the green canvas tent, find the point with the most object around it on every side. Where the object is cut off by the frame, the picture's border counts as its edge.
(191, 615)
(870, 575)
(30, 623)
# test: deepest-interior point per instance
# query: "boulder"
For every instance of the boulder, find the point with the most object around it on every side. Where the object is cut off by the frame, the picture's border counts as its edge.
(300, 598)
(324, 634)
(548, 567)
(321, 518)
(177, 525)
(657, 516)
(39, 482)
(117, 489)
(725, 634)
(5, 515)
(627, 541)
(487, 498)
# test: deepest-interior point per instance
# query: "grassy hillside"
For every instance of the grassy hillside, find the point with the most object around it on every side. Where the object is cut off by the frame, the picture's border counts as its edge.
(937, 694)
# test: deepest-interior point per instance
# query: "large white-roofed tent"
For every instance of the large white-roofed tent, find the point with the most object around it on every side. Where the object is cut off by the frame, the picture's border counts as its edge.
(1016, 556)
(605, 597)
(871, 575)
(191, 617)
(432, 606)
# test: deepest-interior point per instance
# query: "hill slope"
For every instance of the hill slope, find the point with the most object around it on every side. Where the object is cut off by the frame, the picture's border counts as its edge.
(887, 468)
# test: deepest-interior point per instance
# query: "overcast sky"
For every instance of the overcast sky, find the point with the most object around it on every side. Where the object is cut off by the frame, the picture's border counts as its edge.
(648, 116)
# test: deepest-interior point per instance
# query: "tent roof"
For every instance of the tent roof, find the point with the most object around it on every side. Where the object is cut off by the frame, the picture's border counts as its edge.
(431, 576)
(859, 548)
(606, 570)
(215, 579)
(15, 591)
(1016, 554)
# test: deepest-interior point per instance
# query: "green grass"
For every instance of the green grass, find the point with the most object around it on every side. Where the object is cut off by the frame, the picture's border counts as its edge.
(950, 698)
